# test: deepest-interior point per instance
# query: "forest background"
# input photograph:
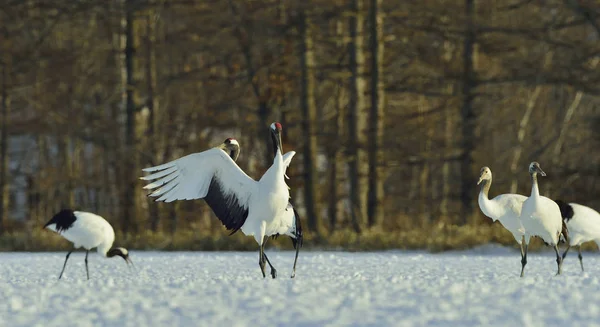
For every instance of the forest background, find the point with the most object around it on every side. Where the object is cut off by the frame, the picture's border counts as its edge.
(392, 106)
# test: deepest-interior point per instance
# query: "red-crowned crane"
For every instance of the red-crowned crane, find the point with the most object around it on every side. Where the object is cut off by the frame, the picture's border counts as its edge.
(505, 208)
(583, 225)
(257, 208)
(541, 216)
(86, 230)
(291, 219)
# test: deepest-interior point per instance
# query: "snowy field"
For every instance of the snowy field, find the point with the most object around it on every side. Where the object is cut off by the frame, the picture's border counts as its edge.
(474, 288)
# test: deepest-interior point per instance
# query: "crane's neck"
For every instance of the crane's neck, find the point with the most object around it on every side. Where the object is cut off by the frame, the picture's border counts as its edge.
(535, 191)
(103, 249)
(485, 204)
(278, 167)
(485, 187)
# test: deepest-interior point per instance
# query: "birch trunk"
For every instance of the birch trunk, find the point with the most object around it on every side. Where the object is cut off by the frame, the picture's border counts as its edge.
(523, 125)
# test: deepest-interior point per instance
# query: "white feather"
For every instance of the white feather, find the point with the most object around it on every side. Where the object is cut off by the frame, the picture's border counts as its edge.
(505, 208)
(89, 231)
(287, 159)
(584, 226)
(541, 217)
(190, 177)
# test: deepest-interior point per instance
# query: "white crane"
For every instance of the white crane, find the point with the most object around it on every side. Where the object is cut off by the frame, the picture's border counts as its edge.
(541, 216)
(583, 225)
(87, 230)
(258, 208)
(290, 218)
(505, 208)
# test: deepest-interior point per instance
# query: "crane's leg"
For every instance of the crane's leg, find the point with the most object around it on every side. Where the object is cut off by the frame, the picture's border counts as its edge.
(273, 270)
(65, 264)
(580, 257)
(523, 255)
(261, 259)
(87, 272)
(558, 259)
(566, 251)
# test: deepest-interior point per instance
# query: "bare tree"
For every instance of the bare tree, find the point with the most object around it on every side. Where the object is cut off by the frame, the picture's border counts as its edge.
(376, 128)
(309, 113)
(130, 190)
(152, 105)
(468, 116)
(4, 163)
(358, 165)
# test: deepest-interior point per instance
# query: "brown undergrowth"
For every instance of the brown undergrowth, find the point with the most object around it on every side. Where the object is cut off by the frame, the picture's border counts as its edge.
(435, 238)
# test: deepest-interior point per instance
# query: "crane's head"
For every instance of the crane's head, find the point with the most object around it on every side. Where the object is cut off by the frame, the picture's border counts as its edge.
(276, 137)
(484, 175)
(121, 252)
(534, 168)
(231, 147)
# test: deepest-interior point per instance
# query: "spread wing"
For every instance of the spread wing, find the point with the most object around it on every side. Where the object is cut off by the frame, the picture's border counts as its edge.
(210, 175)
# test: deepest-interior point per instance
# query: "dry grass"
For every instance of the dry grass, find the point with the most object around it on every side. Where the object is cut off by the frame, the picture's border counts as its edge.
(436, 238)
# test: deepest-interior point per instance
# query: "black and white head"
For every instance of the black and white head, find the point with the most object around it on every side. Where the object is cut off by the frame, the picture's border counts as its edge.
(485, 174)
(534, 168)
(231, 147)
(121, 252)
(276, 137)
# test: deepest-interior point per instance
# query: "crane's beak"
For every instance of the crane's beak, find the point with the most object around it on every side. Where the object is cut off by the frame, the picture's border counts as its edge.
(129, 262)
(480, 180)
(276, 136)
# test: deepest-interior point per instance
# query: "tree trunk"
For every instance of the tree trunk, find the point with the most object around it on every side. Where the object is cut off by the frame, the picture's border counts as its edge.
(129, 196)
(448, 138)
(336, 156)
(264, 112)
(425, 212)
(152, 105)
(5, 109)
(65, 184)
(332, 209)
(469, 119)
(376, 177)
(558, 146)
(309, 112)
(357, 121)
(172, 214)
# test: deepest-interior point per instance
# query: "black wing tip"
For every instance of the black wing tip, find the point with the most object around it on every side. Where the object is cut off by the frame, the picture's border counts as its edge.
(226, 207)
(63, 219)
(566, 210)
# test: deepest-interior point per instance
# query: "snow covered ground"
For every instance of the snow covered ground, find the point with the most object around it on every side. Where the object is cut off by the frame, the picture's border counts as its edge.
(475, 288)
